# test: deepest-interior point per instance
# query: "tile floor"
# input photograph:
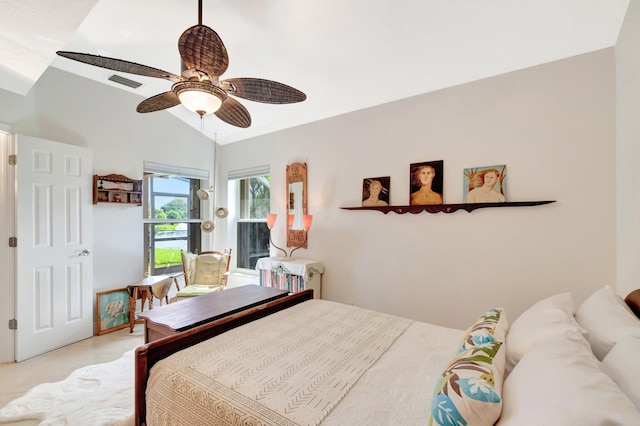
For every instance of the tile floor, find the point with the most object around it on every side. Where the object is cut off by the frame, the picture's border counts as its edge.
(16, 378)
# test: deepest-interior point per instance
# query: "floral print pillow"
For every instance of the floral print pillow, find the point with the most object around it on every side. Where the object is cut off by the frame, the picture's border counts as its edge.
(469, 389)
(490, 326)
(468, 392)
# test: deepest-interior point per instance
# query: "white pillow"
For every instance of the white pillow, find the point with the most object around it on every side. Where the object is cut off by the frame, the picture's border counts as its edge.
(607, 320)
(559, 383)
(622, 364)
(548, 318)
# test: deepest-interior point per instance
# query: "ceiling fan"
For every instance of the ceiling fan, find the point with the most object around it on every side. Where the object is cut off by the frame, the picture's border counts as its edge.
(199, 88)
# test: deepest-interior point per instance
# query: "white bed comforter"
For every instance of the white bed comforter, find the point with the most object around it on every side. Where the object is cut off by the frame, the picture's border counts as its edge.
(398, 388)
(295, 366)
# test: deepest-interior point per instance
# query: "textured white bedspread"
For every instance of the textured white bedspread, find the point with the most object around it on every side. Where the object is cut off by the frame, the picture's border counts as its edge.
(293, 367)
(398, 388)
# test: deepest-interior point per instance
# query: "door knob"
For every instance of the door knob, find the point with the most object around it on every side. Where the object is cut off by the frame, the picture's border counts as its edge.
(84, 252)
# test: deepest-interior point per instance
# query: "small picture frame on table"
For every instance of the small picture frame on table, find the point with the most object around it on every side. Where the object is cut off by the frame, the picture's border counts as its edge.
(112, 310)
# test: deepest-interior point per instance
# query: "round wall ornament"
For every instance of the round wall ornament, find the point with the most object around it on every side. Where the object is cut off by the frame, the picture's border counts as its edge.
(207, 226)
(202, 194)
(221, 212)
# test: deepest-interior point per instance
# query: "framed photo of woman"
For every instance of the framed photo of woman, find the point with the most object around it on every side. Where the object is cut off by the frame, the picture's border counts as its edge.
(375, 191)
(426, 183)
(485, 184)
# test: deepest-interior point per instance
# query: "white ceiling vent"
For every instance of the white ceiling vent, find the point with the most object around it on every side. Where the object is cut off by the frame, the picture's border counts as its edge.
(125, 81)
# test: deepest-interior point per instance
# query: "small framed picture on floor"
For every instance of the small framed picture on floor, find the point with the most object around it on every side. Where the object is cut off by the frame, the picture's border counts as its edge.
(112, 310)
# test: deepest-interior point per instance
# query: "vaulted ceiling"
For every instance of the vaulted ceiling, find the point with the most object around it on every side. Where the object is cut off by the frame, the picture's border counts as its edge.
(345, 55)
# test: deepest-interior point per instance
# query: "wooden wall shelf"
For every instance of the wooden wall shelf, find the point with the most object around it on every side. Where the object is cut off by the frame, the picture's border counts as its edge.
(117, 189)
(448, 208)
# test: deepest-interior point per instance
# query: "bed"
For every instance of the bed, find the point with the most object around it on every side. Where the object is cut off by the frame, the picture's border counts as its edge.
(299, 361)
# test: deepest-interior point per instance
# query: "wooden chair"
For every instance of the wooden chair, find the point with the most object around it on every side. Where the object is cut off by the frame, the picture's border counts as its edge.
(203, 273)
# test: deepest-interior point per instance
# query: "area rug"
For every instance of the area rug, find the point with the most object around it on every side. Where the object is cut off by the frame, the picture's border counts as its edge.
(100, 395)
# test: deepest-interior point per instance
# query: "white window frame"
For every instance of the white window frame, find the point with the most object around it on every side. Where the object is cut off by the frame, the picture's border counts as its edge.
(201, 176)
(234, 177)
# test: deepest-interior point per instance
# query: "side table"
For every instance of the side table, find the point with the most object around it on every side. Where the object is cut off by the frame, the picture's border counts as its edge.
(293, 275)
(146, 289)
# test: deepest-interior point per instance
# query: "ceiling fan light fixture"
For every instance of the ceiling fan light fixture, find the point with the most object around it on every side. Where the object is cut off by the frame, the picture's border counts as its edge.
(204, 59)
(199, 97)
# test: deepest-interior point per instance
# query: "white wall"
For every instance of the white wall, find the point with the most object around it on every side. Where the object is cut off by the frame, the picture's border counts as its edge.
(67, 109)
(554, 127)
(628, 150)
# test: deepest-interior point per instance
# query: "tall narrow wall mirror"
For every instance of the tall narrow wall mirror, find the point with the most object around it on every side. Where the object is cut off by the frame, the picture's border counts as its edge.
(296, 204)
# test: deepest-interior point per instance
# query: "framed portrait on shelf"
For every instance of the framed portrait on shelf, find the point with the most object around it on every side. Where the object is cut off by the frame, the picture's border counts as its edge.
(376, 191)
(485, 184)
(112, 310)
(426, 181)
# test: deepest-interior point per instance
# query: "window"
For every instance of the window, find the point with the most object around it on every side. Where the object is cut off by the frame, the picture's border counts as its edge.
(172, 218)
(250, 195)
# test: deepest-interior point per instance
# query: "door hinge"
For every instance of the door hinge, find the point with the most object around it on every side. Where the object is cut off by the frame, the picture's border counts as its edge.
(13, 159)
(13, 324)
(13, 241)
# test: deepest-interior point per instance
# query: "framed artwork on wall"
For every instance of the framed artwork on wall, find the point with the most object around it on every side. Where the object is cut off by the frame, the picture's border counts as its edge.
(485, 184)
(426, 183)
(376, 191)
(112, 310)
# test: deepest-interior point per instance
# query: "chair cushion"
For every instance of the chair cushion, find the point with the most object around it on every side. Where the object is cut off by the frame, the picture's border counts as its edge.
(197, 290)
(189, 265)
(205, 269)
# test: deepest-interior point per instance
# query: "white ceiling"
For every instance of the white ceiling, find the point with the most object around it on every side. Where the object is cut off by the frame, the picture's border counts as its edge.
(345, 55)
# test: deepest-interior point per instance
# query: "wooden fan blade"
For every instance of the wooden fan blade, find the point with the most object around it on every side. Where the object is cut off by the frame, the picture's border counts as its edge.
(201, 48)
(120, 65)
(259, 90)
(158, 102)
(234, 113)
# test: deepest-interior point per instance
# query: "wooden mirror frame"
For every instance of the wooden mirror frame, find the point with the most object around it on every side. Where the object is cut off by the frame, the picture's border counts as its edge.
(296, 173)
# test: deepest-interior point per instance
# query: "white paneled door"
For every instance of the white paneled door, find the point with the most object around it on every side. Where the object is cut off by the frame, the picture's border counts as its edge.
(54, 289)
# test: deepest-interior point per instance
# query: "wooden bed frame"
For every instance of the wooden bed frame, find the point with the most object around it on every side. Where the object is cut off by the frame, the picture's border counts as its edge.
(148, 355)
(633, 301)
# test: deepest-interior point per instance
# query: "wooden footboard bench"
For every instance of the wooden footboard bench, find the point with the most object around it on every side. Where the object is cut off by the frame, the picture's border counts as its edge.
(148, 355)
(179, 317)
